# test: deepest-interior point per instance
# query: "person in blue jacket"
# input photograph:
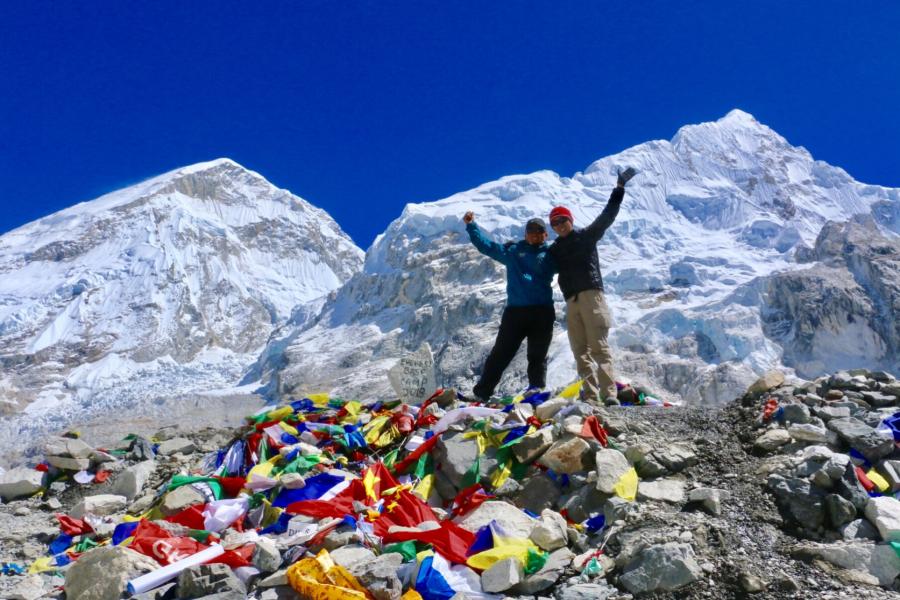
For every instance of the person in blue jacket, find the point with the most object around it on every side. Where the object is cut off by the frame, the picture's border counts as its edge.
(529, 310)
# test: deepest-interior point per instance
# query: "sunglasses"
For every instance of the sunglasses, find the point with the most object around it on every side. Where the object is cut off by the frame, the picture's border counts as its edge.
(558, 221)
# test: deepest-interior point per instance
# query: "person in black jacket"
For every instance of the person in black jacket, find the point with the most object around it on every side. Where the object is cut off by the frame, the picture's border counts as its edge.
(587, 315)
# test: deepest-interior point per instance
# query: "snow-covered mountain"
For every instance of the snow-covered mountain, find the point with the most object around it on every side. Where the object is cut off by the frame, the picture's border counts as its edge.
(689, 264)
(163, 288)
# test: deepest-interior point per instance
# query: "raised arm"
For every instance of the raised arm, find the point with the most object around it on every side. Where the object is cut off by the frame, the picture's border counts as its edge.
(596, 229)
(484, 244)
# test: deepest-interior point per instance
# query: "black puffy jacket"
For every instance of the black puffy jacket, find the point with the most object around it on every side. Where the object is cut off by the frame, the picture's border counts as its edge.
(576, 254)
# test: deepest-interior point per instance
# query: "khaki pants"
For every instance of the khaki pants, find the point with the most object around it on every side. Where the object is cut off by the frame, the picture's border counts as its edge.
(588, 323)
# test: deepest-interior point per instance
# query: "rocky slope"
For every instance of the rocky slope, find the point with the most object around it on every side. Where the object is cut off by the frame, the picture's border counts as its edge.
(710, 237)
(168, 286)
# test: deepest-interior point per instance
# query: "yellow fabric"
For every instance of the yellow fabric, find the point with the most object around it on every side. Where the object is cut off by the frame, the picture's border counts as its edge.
(320, 579)
(880, 482)
(289, 428)
(279, 413)
(353, 409)
(375, 428)
(388, 437)
(42, 565)
(369, 481)
(626, 487)
(502, 474)
(503, 548)
(411, 594)
(424, 488)
(319, 399)
(571, 391)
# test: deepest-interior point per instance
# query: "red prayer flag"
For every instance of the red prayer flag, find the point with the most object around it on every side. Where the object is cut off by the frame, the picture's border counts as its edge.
(72, 526)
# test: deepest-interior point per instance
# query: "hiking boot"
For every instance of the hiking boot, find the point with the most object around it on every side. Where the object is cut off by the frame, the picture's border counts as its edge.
(531, 391)
(612, 402)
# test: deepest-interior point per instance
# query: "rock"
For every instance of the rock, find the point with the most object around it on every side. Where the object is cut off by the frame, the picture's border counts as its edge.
(827, 413)
(277, 578)
(751, 584)
(878, 560)
(873, 444)
(804, 503)
(340, 537)
(176, 446)
(661, 568)
(618, 509)
(538, 493)
(771, 440)
(508, 516)
(709, 498)
(859, 529)
(266, 556)
(19, 483)
(807, 432)
(293, 481)
(455, 455)
(550, 532)
(796, 413)
(770, 380)
(351, 555)
(675, 457)
(650, 468)
(204, 580)
(891, 471)
(131, 481)
(546, 410)
(586, 591)
(547, 576)
(70, 447)
(534, 445)
(566, 456)
(502, 575)
(100, 505)
(179, 499)
(849, 487)
(30, 587)
(52, 504)
(379, 576)
(610, 465)
(840, 510)
(103, 573)
(884, 513)
(834, 395)
(661, 490)
(69, 464)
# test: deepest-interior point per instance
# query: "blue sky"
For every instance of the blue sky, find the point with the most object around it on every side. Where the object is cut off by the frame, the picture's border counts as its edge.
(361, 107)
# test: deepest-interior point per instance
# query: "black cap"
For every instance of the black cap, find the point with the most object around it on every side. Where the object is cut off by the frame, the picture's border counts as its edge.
(535, 225)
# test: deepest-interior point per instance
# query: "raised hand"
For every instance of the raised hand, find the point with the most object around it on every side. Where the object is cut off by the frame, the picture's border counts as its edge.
(625, 175)
(468, 217)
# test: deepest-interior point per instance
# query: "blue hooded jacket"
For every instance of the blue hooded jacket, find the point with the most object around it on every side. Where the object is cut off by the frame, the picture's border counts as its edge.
(529, 269)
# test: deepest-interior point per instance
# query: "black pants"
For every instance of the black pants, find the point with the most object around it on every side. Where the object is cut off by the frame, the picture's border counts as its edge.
(518, 323)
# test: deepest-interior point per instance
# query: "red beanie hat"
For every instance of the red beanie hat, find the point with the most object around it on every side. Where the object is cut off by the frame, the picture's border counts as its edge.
(561, 211)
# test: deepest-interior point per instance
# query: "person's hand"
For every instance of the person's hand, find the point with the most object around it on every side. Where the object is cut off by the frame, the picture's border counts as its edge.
(509, 244)
(625, 175)
(468, 217)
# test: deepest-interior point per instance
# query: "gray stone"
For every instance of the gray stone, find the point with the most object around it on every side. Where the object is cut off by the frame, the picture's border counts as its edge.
(502, 575)
(103, 573)
(293, 481)
(19, 483)
(567, 456)
(583, 502)
(508, 516)
(879, 560)
(840, 510)
(892, 389)
(548, 575)
(649, 467)
(351, 555)
(676, 457)
(618, 509)
(340, 537)
(131, 481)
(455, 455)
(849, 487)
(877, 399)
(534, 445)
(179, 499)
(69, 464)
(661, 490)
(550, 532)
(546, 410)
(204, 580)
(873, 444)
(266, 556)
(826, 413)
(859, 529)
(586, 591)
(709, 498)
(379, 576)
(71, 447)
(611, 465)
(30, 587)
(538, 493)
(176, 446)
(661, 568)
(770, 380)
(884, 513)
(796, 413)
(807, 432)
(804, 503)
(751, 584)
(100, 505)
(771, 440)
(277, 578)
(891, 471)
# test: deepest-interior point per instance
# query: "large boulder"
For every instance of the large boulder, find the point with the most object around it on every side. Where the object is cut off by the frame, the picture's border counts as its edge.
(661, 568)
(508, 516)
(870, 442)
(455, 455)
(19, 483)
(99, 505)
(879, 560)
(204, 580)
(803, 502)
(567, 456)
(103, 573)
(884, 513)
(611, 465)
(379, 576)
(534, 445)
(131, 481)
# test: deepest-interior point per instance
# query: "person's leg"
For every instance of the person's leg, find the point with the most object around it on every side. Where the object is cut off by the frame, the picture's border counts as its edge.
(509, 338)
(597, 324)
(578, 342)
(540, 334)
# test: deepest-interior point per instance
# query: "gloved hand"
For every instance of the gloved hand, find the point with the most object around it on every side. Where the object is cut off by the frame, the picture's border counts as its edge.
(625, 175)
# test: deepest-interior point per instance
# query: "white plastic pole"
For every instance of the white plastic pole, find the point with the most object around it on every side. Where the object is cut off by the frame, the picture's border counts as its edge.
(156, 578)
